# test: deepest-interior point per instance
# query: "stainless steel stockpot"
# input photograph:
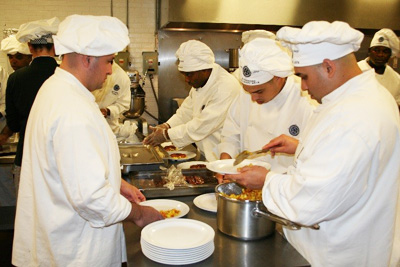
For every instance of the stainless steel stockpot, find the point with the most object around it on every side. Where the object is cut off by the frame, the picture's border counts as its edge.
(245, 219)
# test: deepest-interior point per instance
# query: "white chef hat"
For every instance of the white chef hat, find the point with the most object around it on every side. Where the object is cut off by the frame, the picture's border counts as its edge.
(194, 55)
(319, 40)
(261, 59)
(247, 36)
(91, 35)
(11, 46)
(39, 31)
(386, 38)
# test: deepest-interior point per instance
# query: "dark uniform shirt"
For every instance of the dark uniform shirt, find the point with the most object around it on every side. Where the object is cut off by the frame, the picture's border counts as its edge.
(22, 87)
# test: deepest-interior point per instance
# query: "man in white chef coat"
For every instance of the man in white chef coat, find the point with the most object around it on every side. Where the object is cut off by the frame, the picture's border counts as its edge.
(270, 104)
(345, 176)
(114, 96)
(384, 45)
(72, 199)
(248, 36)
(19, 56)
(201, 116)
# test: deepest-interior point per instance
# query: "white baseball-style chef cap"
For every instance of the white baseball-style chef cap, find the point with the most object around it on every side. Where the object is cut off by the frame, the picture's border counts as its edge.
(91, 35)
(38, 32)
(11, 46)
(194, 55)
(386, 38)
(247, 36)
(261, 59)
(319, 40)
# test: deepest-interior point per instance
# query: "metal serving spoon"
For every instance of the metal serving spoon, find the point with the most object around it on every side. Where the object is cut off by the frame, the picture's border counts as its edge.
(246, 154)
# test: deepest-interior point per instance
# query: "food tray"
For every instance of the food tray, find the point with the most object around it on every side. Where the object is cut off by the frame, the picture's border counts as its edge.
(8, 149)
(138, 158)
(151, 183)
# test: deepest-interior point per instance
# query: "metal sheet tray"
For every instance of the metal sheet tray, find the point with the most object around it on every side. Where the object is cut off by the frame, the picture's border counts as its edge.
(139, 157)
(8, 149)
(151, 183)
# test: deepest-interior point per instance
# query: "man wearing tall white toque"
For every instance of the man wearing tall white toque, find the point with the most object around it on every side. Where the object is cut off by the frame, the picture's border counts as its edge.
(345, 175)
(269, 105)
(72, 200)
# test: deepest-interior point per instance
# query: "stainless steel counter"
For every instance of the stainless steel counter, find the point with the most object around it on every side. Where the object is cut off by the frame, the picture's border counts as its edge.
(271, 251)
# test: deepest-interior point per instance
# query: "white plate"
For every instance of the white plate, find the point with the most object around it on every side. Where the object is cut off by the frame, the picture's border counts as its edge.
(179, 260)
(186, 165)
(169, 144)
(206, 202)
(189, 155)
(176, 252)
(225, 166)
(178, 234)
(167, 204)
(182, 261)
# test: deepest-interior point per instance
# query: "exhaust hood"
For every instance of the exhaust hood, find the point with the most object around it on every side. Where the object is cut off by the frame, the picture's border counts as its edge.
(239, 15)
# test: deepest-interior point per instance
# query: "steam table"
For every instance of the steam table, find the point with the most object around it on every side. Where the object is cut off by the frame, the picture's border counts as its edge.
(270, 251)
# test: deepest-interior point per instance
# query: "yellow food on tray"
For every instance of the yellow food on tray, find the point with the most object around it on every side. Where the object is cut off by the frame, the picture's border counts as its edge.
(170, 213)
(247, 194)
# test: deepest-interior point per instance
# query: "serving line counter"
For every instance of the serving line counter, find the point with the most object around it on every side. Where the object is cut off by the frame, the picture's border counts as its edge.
(273, 250)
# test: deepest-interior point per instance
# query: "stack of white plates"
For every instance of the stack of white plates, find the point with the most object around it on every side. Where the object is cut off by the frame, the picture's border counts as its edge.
(177, 242)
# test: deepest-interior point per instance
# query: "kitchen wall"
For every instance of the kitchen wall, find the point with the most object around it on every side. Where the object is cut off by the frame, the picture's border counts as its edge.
(141, 23)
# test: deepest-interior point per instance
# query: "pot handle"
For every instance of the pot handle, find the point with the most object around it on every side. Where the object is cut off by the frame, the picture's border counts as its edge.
(257, 212)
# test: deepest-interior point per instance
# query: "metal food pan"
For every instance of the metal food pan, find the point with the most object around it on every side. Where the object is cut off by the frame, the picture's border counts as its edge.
(151, 183)
(139, 157)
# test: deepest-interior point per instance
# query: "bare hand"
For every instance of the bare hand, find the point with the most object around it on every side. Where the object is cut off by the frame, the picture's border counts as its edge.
(220, 176)
(163, 126)
(252, 177)
(104, 111)
(282, 144)
(156, 137)
(131, 193)
(143, 215)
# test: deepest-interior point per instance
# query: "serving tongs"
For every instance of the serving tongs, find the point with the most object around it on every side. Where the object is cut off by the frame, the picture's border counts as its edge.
(246, 154)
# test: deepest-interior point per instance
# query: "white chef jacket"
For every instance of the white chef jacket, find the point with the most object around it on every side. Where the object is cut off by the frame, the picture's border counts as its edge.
(390, 79)
(3, 86)
(69, 208)
(115, 95)
(201, 116)
(345, 177)
(249, 126)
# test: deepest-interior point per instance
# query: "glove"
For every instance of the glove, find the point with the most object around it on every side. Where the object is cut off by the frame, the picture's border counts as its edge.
(157, 137)
(162, 126)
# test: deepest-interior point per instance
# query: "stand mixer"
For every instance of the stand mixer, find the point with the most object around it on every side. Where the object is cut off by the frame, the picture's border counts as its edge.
(137, 105)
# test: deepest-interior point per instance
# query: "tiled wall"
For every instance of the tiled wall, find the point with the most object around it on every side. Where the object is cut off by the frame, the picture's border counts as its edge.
(141, 23)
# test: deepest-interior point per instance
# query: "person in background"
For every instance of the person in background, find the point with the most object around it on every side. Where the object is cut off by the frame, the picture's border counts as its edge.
(7, 188)
(19, 56)
(247, 36)
(346, 170)
(270, 104)
(23, 84)
(18, 53)
(72, 199)
(201, 116)
(3, 85)
(384, 45)
(114, 97)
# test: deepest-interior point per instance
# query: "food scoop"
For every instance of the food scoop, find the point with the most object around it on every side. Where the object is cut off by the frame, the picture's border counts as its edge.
(246, 154)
